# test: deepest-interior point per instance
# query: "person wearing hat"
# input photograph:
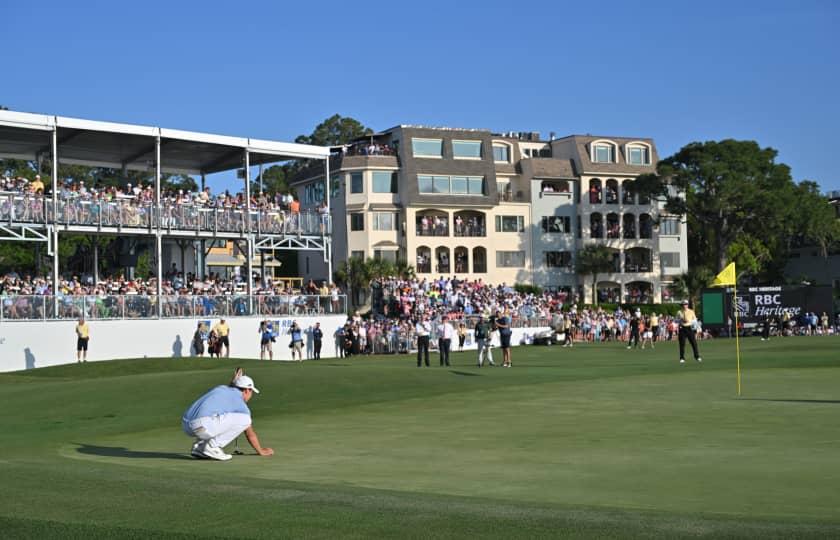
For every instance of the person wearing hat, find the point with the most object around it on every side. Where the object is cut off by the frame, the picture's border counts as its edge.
(482, 340)
(688, 320)
(219, 416)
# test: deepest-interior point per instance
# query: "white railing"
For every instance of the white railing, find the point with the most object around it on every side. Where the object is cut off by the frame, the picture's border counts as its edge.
(137, 306)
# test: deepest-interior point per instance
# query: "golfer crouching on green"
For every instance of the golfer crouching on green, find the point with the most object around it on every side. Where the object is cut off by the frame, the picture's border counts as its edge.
(220, 416)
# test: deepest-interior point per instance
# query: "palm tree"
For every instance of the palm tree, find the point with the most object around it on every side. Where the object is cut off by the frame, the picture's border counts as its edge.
(595, 259)
(691, 283)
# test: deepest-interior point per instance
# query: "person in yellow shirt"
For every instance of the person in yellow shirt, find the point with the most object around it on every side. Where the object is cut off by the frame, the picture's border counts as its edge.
(36, 186)
(688, 320)
(83, 336)
(223, 332)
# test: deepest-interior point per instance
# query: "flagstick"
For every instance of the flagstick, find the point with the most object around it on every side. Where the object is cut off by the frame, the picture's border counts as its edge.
(737, 342)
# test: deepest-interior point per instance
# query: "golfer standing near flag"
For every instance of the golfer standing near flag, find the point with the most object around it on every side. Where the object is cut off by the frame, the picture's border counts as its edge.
(688, 320)
(220, 416)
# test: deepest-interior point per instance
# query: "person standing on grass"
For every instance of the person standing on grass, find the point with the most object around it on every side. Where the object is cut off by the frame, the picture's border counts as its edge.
(219, 416)
(635, 322)
(317, 338)
(462, 336)
(83, 336)
(266, 339)
(297, 341)
(223, 335)
(445, 332)
(654, 326)
(688, 322)
(198, 340)
(422, 329)
(503, 324)
(482, 339)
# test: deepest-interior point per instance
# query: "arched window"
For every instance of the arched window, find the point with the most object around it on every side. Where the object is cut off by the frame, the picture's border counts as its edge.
(479, 260)
(645, 226)
(638, 260)
(613, 226)
(609, 292)
(432, 223)
(596, 226)
(424, 260)
(629, 226)
(627, 195)
(442, 265)
(637, 153)
(611, 192)
(470, 223)
(595, 191)
(462, 260)
(602, 151)
(638, 292)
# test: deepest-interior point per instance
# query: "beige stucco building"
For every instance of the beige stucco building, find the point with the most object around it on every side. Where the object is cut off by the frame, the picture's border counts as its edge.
(503, 208)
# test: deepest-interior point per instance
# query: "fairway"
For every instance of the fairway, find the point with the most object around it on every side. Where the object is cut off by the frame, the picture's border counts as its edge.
(593, 441)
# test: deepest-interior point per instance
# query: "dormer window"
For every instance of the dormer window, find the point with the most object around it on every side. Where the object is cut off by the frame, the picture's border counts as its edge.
(638, 154)
(603, 153)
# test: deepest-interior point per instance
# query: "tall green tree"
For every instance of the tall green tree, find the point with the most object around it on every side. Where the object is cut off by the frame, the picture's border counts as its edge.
(335, 130)
(594, 260)
(737, 200)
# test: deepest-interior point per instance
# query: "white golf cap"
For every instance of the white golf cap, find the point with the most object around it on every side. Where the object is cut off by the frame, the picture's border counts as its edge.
(243, 381)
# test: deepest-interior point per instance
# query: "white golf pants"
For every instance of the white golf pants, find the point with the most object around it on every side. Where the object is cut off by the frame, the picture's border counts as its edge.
(484, 350)
(218, 430)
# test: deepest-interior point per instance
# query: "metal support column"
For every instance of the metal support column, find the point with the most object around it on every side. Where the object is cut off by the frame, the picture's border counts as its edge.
(54, 232)
(203, 182)
(158, 240)
(249, 236)
(327, 235)
(95, 260)
(55, 207)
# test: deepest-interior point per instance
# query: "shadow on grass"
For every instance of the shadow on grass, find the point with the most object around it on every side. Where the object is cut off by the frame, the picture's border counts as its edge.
(121, 452)
(831, 401)
(464, 373)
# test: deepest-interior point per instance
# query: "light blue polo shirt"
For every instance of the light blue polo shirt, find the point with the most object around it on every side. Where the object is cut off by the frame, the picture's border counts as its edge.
(219, 400)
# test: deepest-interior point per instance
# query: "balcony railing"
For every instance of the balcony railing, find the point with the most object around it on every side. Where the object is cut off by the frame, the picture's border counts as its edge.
(130, 214)
(112, 307)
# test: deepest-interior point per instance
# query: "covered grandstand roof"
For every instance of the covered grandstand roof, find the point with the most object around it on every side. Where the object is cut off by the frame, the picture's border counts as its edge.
(108, 144)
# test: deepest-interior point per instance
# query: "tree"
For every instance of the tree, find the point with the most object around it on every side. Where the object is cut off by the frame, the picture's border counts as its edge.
(273, 180)
(691, 283)
(335, 130)
(595, 259)
(734, 193)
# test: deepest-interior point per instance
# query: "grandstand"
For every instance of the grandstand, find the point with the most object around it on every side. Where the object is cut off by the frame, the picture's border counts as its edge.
(43, 216)
(61, 140)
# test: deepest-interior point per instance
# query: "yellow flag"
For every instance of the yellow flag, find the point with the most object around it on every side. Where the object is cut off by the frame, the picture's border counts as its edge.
(727, 277)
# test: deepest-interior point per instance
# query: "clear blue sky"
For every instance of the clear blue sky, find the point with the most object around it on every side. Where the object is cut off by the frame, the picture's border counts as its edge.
(674, 71)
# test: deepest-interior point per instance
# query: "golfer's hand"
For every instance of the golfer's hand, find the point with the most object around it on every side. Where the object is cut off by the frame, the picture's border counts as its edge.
(267, 452)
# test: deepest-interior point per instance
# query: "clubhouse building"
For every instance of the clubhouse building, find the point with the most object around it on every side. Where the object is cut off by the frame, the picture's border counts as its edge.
(504, 208)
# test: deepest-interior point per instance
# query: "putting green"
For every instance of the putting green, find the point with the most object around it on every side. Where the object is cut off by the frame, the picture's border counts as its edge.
(590, 441)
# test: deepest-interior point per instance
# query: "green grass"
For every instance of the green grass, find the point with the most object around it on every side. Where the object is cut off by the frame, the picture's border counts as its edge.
(590, 442)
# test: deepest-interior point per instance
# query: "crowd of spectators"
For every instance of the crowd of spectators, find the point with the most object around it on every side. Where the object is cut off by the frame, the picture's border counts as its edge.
(184, 295)
(129, 205)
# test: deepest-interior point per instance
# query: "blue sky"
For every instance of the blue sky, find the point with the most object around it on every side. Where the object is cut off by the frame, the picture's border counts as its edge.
(674, 71)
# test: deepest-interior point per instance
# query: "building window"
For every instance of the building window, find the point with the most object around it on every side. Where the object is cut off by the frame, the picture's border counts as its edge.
(638, 155)
(427, 147)
(669, 227)
(556, 224)
(357, 184)
(466, 149)
(510, 224)
(558, 259)
(384, 182)
(357, 221)
(384, 221)
(501, 153)
(603, 153)
(454, 185)
(389, 255)
(669, 259)
(510, 259)
(357, 255)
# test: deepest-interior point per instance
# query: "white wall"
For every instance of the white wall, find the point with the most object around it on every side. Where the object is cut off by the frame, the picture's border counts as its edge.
(27, 345)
